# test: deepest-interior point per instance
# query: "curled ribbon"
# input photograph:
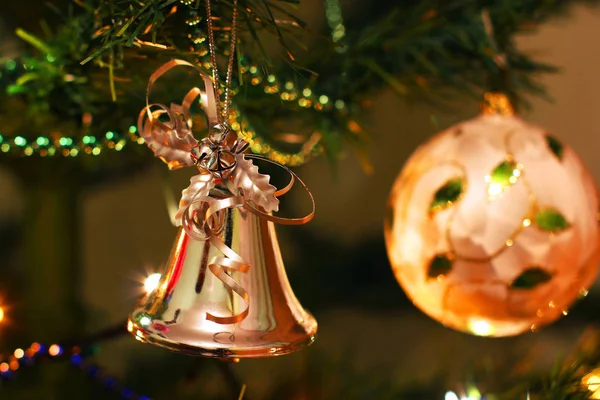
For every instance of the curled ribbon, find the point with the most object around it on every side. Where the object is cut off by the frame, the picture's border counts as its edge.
(172, 140)
(230, 261)
(293, 178)
(218, 160)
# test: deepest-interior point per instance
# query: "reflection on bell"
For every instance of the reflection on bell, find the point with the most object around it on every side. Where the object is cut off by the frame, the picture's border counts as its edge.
(225, 313)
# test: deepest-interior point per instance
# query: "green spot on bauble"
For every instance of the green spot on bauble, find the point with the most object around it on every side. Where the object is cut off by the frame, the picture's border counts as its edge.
(503, 173)
(531, 278)
(550, 220)
(555, 146)
(447, 194)
(440, 265)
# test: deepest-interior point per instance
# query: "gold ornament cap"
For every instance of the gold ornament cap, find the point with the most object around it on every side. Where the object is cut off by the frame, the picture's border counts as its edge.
(496, 104)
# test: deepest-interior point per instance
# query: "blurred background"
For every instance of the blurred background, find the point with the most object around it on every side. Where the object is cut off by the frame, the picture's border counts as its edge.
(367, 327)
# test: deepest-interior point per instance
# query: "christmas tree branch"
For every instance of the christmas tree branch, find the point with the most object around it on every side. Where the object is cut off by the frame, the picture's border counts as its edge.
(427, 50)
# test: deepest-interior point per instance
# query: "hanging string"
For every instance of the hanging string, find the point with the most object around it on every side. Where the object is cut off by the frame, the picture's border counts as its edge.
(498, 100)
(223, 114)
(499, 57)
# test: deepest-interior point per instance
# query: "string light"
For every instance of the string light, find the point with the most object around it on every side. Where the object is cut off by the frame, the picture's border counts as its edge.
(450, 396)
(94, 145)
(335, 21)
(19, 358)
(67, 146)
(472, 395)
(55, 350)
(259, 146)
(13, 361)
(592, 382)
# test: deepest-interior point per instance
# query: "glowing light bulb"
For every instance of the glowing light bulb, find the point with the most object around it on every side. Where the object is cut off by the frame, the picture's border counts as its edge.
(1, 314)
(54, 350)
(145, 321)
(19, 353)
(473, 394)
(151, 282)
(450, 396)
(480, 327)
(592, 381)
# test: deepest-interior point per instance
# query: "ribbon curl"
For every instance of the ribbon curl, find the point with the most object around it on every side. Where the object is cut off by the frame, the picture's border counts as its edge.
(219, 158)
(172, 140)
(230, 261)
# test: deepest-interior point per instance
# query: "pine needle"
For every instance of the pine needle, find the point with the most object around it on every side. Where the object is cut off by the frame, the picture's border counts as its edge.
(242, 392)
(387, 77)
(32, 40)
(111, 77)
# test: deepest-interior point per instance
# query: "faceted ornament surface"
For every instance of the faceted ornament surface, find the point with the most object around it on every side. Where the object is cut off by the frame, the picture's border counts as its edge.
(492, 227)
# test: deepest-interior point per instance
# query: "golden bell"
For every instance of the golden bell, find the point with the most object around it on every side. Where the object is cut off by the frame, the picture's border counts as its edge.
(198, 309)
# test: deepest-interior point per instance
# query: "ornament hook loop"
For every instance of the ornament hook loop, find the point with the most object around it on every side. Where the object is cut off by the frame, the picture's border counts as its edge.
(497, 104)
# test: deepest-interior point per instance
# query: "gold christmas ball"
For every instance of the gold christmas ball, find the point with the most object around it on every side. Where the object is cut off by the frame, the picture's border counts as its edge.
(493, 227)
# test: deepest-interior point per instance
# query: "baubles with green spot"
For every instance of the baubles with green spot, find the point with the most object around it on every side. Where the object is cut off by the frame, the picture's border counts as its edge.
(492, 227)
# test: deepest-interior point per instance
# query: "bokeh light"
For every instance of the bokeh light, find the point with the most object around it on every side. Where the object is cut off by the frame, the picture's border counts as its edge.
(592, 381)
(450, 396)
(151, 282)
(54, 350)
(19, 353)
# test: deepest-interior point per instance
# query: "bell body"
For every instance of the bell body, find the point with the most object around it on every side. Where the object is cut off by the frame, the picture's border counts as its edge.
(194, 311)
